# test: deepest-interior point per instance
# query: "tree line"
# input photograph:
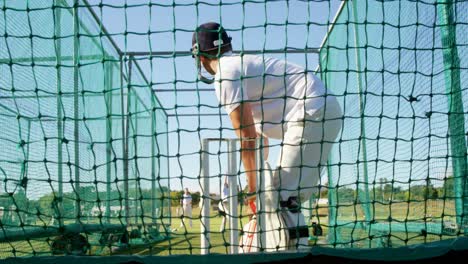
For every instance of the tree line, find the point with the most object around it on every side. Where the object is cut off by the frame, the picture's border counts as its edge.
(384, 190)
(89, 198)
(49, 204)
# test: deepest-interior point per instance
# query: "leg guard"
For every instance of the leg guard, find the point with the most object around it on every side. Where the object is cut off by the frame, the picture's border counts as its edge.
(285, 228)
(277, 235)
(298, 231)
(285, 224)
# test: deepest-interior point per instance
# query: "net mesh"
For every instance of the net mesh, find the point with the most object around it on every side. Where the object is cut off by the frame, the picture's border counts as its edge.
(386, 61)
(102, 129)
(66, 105)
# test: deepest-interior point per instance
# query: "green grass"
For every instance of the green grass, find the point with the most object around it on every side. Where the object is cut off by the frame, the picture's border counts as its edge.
(187, 240)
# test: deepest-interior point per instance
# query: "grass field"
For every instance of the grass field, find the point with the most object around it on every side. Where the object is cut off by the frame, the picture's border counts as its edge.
(186, 240)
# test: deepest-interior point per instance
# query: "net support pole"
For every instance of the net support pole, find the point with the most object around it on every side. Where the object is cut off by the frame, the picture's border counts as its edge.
(154, 141)
(205, 210)
(126, 147)
(260, 200)
(136, 176)
(456, 122)
(333, 233)
(76, 63)
(122, 118)
(24, 176)
(168, 173)
(362, 104)
(109, 98)
(233, 195)
(58, 53)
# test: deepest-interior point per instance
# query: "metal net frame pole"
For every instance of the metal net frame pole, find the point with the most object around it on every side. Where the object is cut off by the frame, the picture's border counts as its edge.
(205, 210)
(233, 194)
(58, 18)
(76, 72)
(260, 200)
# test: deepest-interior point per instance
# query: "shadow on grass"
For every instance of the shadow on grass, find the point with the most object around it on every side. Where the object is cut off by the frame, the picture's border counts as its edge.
(154, 248)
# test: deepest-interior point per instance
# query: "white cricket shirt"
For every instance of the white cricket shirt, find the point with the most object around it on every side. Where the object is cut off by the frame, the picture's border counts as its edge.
(186, 199)
(278, 91)
(225, 194)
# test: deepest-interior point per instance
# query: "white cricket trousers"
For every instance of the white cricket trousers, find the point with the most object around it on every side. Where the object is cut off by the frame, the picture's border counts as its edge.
(226, 218)
(186, 215)
(306, 146)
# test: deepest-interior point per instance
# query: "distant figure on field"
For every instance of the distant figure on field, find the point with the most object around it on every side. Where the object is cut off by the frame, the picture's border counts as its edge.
(186, 203)
(223, 206)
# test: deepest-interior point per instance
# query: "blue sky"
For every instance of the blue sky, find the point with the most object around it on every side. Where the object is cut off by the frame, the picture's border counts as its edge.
(254, 25)
(403, 58)
(172, 26)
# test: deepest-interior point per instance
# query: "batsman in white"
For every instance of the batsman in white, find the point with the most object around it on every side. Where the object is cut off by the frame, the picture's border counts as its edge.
(275, 99)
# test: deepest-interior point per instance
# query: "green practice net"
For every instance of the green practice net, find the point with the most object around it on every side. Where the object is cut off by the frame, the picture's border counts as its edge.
(84, 139)
(104, 123)
(398, 175)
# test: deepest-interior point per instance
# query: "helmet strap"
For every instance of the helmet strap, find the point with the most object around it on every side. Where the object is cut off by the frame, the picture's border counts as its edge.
(200, 75)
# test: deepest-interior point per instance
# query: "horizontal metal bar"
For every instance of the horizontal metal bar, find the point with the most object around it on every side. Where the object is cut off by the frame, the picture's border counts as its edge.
(232, 139)
(183, 90)
(64, 95)
(138, 117)
(335, 19)
(93, 119)
(57, 58)
(188, 53)
(148, 53)
(182, 115)
(11, 234)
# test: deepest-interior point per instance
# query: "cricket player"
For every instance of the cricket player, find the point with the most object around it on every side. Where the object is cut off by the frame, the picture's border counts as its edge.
(223, 205)
(270, 98)
(186, 203)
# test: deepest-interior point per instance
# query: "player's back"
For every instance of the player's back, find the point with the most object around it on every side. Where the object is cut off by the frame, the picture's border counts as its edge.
(275, 89)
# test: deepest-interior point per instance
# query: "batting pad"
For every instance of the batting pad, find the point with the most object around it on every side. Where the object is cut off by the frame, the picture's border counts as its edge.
(278, 222)
(277, 235)
(249, 242)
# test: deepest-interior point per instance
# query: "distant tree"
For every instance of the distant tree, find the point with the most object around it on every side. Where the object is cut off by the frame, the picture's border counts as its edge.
(407, 195)
(428, 189)
(88, 197)
(346, 195)
(418, 192)
(382, 181)
(388, 191)
(400, 194)
(376, 193)
(448, 188)
(195, 199)
(176, 196)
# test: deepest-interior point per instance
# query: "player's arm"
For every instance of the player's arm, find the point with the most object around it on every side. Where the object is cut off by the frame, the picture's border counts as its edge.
(243, 124)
